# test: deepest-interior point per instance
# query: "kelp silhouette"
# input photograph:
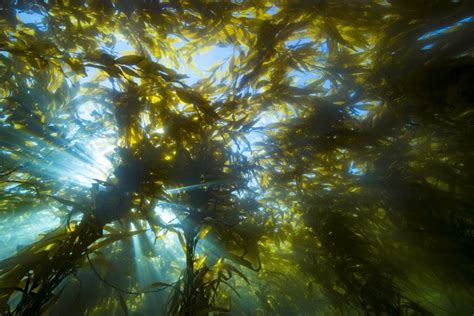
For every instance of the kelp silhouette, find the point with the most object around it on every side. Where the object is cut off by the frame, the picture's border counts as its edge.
(327, 162)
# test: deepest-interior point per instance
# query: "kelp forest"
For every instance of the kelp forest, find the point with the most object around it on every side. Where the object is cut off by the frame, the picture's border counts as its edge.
(237, 157)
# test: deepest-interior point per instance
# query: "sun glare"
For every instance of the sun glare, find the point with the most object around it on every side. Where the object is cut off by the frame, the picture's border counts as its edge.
(165, 213)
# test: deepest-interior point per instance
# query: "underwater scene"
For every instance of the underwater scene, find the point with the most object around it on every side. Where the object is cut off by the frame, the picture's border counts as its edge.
(237, 157)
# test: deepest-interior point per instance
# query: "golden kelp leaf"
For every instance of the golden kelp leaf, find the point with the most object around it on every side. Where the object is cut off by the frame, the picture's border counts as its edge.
(201, 103)
(111, 238)
(55, 81)
(334, 34)
(265, 180)
(199, 263)
(189, 97)
(130, 72)
(129, 59)
(151, 66)
(76, 65)
(204, 231)
(113, 71)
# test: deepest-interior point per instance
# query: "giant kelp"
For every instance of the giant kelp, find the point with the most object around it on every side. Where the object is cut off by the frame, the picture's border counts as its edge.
(324, 167)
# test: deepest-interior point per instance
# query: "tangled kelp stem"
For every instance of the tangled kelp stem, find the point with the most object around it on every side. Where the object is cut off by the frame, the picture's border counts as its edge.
(56, 266)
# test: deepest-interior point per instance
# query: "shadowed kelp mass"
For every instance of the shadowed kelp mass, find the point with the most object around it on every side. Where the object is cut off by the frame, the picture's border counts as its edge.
(191, 157)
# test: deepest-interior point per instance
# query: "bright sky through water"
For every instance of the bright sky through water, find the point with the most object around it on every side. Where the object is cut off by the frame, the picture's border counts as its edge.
(202, 63)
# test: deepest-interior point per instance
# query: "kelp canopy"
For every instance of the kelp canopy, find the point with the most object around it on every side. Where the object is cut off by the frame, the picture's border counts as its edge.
(323, 165)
